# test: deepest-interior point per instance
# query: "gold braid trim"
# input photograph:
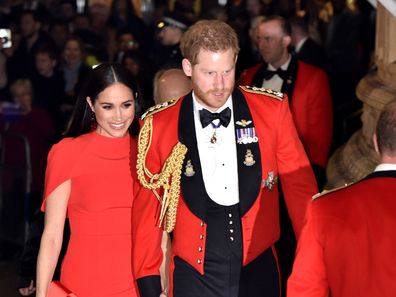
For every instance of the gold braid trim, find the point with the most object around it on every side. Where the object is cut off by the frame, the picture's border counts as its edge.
(168, 178)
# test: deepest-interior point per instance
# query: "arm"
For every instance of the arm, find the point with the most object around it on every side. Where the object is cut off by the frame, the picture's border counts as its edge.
(164, 269)
(51, 240)
(297, 179)
(320, 118)
(28, 260)
(308, 278)
(147, 237)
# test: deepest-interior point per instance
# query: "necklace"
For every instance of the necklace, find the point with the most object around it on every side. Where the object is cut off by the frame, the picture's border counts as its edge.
(213, 139)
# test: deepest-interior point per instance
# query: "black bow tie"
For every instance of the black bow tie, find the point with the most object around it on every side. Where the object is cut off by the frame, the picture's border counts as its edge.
(268, 74)
(207, 117)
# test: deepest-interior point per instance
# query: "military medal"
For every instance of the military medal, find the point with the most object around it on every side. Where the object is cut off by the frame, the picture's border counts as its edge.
(189, 169)
(249, 158)
(270, 181)
(246, 135)
(213, 139)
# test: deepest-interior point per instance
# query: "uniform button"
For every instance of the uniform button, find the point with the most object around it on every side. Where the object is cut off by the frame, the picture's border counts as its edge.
(230, 222)
(230, 215)
(231, 238)
(200, 249)
(202, 223)
(231, 230)
(201, 236)
(199, 261)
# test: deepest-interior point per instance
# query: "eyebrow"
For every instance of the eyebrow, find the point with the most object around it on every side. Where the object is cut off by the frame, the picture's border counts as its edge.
(126, 101)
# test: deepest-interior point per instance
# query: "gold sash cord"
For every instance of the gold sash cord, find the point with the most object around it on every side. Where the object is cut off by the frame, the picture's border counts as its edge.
(168, 178)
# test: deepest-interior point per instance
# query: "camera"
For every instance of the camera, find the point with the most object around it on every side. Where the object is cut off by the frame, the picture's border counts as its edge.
(5, 38)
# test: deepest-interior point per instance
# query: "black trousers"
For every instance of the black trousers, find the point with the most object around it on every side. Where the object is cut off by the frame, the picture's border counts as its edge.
(224, 275)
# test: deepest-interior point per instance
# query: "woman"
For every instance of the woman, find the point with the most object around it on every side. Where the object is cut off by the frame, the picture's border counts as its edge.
(88, 179)
(74, 72)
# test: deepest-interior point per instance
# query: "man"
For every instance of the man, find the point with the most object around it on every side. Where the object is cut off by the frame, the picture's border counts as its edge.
(347, 247)
(212, 159)
(306, 49)
(306, 86)
(171, 28)
(169, 84)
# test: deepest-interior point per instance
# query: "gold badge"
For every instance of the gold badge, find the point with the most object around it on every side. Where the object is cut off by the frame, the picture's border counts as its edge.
(189, 169)
(270, 181)
(249, 158)
(243, 122)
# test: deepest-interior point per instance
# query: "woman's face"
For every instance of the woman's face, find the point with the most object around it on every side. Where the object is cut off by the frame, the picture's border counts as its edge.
(23, 96)
(72, 52)
(114, 110)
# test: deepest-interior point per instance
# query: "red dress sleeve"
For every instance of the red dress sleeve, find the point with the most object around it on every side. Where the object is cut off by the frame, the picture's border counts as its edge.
(59, 166)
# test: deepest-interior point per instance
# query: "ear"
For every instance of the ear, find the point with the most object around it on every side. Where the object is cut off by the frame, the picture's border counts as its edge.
(90, 103)
(187, 67)
(375, 143)
(286, 40)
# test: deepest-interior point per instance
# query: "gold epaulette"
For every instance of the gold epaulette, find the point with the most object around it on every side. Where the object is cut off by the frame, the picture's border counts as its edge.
(167, 180)
(325, 192)
(263, 91)
(157, 108)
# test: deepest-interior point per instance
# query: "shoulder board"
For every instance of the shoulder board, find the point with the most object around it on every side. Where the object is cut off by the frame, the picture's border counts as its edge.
(325, 192)
(157, 108)
(263, 91)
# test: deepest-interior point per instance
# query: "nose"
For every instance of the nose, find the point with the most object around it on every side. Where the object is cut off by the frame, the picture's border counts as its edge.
(118, 114)
(219, 81)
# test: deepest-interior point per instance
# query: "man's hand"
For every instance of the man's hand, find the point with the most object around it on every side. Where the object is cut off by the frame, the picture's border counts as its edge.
(27, 291)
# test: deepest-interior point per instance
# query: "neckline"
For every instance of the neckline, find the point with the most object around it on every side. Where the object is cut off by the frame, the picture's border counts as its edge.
(110, 147)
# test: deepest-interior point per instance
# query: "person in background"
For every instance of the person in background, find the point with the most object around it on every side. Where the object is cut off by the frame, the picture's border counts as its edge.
(307, 88)
(305, 48)
(74, 72)
(169, 84)
(166, 54)
(27, 135)
(212, 160)
(48, 82)
(347, 244)
(89, 177)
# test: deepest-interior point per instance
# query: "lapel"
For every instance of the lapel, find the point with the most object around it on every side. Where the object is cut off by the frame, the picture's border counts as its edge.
(257, 80)
(290, 83)
(249, 177)
(192, 187)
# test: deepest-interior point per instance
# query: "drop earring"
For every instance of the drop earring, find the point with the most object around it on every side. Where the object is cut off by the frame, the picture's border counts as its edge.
(93, 121)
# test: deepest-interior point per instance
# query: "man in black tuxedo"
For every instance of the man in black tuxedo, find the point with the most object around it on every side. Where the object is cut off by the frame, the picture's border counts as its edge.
(305, 48)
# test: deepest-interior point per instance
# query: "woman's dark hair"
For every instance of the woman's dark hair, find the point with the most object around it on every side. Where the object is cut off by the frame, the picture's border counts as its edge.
(99, 79)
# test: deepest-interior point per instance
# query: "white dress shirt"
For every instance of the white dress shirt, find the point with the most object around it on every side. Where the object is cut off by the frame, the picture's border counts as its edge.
(275, 83)
(300, 44)
(218, 160)
(385, 167)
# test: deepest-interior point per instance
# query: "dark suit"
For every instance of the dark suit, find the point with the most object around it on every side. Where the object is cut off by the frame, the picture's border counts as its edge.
(313, 54)
(195, 245)
(347, 247)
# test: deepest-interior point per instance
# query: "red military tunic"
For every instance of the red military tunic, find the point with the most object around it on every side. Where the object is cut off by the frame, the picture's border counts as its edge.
(347, 247)
(311, 107)
(278, 151)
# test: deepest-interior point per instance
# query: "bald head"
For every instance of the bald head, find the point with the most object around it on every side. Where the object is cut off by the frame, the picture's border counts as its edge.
(171, 83)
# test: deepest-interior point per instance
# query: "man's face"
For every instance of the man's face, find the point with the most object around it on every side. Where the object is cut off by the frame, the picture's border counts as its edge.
(28, 25)
(272, 42)
(212, 78)
(44, 64)
(167, 35)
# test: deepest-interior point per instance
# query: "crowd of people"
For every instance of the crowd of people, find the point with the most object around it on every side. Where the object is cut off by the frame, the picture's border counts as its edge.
(241, 105)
